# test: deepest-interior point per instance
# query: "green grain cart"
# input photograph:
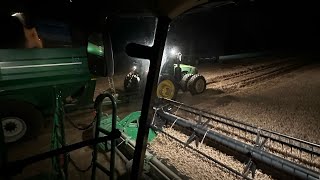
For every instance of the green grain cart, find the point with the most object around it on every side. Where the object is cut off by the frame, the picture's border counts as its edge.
(29, 79)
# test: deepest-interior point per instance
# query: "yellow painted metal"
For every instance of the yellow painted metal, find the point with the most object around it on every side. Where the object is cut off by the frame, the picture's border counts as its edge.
(166, 89)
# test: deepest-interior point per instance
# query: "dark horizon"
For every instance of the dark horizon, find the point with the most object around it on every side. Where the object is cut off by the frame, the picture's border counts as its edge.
(248, 27)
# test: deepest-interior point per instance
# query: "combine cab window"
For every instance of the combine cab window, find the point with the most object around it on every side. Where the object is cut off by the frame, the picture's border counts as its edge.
(54, 33)
(19, 31)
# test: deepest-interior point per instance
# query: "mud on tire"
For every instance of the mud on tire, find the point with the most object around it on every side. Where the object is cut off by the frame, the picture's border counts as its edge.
(184, 82)
(197, 84)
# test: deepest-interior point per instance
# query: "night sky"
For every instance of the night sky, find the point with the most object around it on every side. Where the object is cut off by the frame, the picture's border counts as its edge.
(248, 27)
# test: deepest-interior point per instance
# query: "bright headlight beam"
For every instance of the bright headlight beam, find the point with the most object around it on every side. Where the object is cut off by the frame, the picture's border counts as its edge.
(173, 51)
(134, 68)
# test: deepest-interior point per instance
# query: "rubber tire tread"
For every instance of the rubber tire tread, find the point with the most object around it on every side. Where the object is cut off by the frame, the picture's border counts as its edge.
(192, 84)
(30, 114)
(168, 77)
(184, 82)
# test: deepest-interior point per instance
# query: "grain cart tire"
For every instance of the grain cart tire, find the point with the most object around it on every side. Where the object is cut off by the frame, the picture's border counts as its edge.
(167, 88)
(184, 82)
(132, 82)
(20, 121)
(197, 84)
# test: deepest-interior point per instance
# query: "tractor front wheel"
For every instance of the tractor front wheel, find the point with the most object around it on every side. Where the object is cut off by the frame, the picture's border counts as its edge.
(167, 88)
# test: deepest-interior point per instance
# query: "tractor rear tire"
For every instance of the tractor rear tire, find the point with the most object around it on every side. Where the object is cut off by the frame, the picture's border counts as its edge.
(167, 87)
(184, 82)
(20, 121)
(197, 84)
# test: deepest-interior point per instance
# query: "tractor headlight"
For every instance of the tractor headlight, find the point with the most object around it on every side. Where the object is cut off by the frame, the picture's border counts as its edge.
(173, 51)
(134, 68)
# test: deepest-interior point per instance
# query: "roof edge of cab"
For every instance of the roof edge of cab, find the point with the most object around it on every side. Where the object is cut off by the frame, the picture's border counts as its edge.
(175, 8)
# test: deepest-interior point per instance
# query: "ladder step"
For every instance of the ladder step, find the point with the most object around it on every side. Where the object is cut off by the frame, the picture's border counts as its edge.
(102, 168)
(103, 131)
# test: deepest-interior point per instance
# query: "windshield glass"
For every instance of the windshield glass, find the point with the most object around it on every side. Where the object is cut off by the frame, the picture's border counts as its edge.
(130, 73)
(251, 65)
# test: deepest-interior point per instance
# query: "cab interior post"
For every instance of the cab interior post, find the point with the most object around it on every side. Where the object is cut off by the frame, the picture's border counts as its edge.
(149, 96)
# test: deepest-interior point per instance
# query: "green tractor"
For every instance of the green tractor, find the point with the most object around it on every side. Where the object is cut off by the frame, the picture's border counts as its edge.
(173, 77)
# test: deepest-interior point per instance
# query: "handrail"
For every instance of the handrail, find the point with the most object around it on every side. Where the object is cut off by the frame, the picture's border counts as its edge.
(8, 169)
(98, 107)
(16, 167)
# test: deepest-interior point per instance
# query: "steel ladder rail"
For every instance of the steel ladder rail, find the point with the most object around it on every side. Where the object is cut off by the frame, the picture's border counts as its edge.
(98, 129)
(8, 169)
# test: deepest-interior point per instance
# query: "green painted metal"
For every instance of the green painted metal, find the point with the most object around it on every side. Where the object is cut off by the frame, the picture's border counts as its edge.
(94, 49)
(128, 125)
(169, 67)
(187, 68)
(29, 74)
(59, 163)
(25, 68)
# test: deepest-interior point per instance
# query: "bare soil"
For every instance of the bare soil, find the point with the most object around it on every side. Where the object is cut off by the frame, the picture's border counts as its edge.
(288, 103)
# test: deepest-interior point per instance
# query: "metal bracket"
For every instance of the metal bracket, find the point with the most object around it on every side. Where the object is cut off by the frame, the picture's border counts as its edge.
(194, 136)
(251, 165)
(60, 162)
